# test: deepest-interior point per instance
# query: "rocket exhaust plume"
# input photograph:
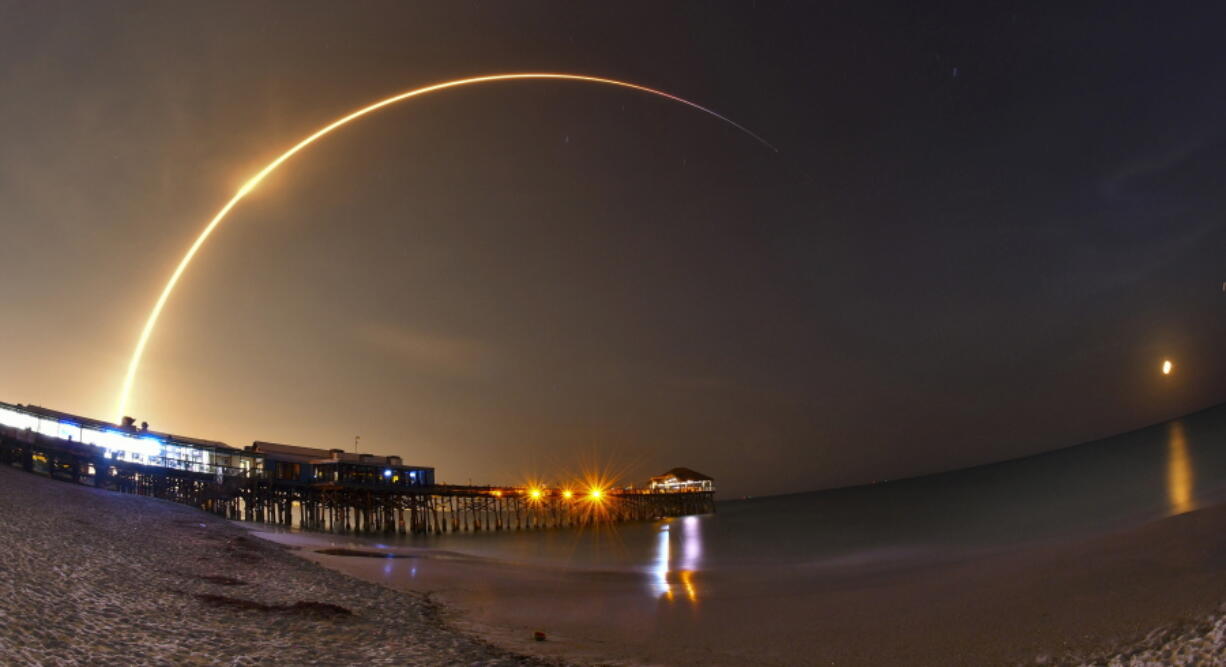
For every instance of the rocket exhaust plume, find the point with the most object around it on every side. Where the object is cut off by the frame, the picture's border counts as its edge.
(151, 322)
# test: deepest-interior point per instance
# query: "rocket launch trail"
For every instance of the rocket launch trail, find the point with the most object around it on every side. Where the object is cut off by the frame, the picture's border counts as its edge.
(181, 268)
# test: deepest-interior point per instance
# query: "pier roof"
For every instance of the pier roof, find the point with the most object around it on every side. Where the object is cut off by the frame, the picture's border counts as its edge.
(302, 454)
(684, 475)
(99, 424)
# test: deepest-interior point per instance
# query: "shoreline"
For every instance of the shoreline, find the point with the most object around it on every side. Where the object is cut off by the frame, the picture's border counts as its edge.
(458, 581)
(90, 576)
(1151, 594)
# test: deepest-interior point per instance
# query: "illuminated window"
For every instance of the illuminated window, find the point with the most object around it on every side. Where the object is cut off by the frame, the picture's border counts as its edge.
(49, 427)
(69, 431)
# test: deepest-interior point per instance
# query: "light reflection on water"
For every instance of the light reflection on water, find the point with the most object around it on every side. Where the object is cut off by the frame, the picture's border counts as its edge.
(660, 584)
(691, 531)
(664, 574)
(1100, 487)
(1179, 478)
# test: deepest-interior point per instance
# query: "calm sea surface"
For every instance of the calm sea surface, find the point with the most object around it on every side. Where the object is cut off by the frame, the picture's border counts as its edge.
(865, 575)
(1093, 488)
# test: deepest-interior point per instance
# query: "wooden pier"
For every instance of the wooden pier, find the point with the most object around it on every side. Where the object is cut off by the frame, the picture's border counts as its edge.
(344, 507)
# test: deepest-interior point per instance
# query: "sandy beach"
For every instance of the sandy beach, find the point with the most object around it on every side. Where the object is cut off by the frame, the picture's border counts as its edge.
(95, 577)
(88, 576)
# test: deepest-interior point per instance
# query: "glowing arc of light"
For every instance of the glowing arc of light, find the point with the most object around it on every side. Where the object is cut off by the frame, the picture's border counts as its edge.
(151, 322)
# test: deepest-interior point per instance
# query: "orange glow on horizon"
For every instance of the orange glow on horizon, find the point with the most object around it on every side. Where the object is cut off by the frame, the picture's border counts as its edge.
(151, 322)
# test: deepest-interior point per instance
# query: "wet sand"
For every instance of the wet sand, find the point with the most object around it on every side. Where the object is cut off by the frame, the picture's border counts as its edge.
(95, 577)
(1147, 596)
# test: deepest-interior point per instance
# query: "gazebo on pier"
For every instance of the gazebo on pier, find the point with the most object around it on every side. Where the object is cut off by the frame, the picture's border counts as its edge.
(682, 480)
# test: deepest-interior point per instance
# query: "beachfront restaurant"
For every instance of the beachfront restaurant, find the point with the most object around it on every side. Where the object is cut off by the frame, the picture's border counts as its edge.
(681, 480)
(132, 444)
(311, 465)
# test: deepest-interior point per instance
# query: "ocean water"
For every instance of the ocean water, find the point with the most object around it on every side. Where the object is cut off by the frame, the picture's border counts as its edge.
(1089, 489)
(915, 571)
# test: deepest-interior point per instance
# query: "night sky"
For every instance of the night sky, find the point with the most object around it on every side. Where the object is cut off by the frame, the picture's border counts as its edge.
(982, 234)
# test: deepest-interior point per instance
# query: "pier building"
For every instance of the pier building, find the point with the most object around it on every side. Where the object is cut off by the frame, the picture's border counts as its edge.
(130, 443)
(682, 480)
(309, 465)
(316, 489)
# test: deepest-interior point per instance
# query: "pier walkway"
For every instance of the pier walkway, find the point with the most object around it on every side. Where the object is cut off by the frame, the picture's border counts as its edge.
(251, 493)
